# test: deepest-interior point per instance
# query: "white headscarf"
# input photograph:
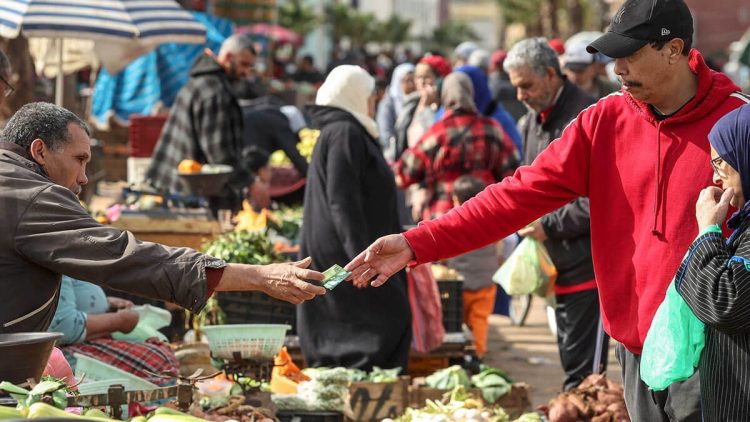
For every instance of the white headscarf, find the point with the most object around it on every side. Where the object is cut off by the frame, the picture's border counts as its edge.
(349, 87)
(394, 89)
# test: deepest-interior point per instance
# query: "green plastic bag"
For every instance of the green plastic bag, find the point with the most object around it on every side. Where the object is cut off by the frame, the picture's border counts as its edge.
(673, 344)
(527, 270)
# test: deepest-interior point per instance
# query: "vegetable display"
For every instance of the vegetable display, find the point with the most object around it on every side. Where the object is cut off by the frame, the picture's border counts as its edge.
(596, 399)
(243, 247)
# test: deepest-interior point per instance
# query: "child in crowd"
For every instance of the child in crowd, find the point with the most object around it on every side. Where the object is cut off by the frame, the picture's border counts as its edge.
(477, 268)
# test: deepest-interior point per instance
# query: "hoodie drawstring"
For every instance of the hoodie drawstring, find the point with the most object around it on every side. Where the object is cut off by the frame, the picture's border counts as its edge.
(657, 190)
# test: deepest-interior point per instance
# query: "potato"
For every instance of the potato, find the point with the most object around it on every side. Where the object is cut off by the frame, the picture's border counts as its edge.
(562, 411)
(604, 417)
(614, 387)
(608, 398)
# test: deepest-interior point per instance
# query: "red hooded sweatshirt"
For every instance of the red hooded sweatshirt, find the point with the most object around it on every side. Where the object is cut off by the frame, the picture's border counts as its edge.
(642, 178)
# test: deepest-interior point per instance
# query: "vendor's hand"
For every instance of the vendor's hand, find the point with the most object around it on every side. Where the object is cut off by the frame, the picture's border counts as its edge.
(535, 231)
(126, 321)
(387, 256)
(282, 281)
(712, 206)
(119, 303)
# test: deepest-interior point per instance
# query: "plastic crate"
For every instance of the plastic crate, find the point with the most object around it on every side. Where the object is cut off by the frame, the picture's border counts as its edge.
(452, 299)
(137, 168)
(294, 416)
(257, 308)
(143, 134)
(99, 371)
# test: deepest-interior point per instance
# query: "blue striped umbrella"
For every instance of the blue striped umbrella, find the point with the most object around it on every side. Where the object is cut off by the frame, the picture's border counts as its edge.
(121, 29)
(148, 21)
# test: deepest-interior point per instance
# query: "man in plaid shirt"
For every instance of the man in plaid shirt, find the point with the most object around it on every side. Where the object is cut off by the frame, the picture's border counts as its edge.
(205, 123)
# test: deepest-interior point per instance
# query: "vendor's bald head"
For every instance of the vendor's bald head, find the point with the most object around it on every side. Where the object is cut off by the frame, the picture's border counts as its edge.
(56, 139)
(237, 56)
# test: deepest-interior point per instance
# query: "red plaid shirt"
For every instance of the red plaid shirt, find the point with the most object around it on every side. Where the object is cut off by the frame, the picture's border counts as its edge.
(451, 149)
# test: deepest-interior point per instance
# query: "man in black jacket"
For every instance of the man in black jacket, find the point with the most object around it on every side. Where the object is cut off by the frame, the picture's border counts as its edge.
(553, 102)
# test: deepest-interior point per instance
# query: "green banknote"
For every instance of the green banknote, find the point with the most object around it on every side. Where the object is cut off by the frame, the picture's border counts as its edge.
(334, 276)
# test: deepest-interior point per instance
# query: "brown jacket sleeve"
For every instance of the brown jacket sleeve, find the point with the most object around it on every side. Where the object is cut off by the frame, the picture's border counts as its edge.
(56, 233)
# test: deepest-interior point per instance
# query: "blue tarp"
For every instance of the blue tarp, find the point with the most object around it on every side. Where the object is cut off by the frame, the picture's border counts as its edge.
(154, 78)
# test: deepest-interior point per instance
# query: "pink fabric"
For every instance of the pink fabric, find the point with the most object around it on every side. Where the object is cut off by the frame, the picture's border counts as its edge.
(58, 367)
(426, 309)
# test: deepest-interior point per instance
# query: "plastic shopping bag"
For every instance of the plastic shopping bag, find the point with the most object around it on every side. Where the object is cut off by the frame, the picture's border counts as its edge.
(527, 270)
(673, 344)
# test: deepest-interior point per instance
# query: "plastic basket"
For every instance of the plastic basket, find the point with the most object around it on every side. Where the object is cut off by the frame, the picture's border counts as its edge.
(452, 299)
(99, 387)
(252, 341)
(98, 371)
(257, 308)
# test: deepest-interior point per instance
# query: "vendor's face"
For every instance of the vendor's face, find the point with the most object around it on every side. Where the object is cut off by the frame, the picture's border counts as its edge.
(727, 177)
(240, 65)
(66, 167)
(644, 73)
(536, 91)
(424, 77)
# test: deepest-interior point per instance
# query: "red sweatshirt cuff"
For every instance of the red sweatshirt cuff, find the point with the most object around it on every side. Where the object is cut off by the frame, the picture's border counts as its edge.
(213, 275)
(422, 243)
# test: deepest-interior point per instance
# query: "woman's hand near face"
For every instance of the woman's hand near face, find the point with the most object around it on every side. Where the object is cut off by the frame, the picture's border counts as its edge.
(712, 206)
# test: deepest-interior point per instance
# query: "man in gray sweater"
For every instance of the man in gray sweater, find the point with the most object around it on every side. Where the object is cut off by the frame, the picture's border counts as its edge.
(43, 156)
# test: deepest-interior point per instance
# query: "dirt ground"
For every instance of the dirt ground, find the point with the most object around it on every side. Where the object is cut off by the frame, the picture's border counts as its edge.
(529, 354)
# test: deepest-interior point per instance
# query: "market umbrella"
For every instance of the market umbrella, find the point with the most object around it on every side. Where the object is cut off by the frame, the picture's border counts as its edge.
(275, 33)
(122, 29)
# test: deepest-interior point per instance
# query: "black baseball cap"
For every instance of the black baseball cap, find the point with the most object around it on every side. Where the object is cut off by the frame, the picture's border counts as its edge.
(639, 22)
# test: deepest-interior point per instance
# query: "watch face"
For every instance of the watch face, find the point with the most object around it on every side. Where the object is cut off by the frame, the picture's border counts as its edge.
(216, 263)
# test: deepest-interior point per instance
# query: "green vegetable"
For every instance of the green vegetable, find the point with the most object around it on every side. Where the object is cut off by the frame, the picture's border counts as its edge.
(42, 410)
(287, 223)
(384, 375)
(243, 247)
(95, 413)
(449, 378)
(494, 383)
(49, 390)
(529, 417)
(10, 413)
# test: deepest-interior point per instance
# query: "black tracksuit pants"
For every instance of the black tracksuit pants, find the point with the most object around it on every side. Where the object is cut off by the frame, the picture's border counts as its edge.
(583, 344)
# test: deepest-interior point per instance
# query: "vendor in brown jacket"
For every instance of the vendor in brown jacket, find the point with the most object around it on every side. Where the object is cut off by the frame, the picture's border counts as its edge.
(44, 150)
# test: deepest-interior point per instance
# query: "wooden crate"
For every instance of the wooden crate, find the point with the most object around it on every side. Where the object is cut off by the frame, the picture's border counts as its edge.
(516, 402)
(375, 401)
(422, 366)
(182, 232)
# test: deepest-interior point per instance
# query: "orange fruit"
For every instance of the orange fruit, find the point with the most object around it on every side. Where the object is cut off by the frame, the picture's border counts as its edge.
(189, 166)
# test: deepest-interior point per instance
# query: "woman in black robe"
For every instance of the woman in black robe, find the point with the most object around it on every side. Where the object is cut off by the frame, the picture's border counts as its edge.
(350, 200)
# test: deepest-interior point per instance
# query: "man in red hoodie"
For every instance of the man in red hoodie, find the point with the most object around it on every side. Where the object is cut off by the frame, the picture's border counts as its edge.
(641, 156)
